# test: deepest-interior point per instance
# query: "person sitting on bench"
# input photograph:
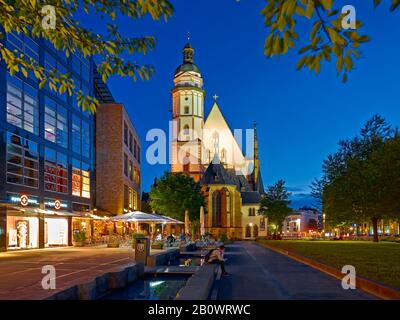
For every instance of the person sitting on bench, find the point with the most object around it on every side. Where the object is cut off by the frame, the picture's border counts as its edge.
(217, 257)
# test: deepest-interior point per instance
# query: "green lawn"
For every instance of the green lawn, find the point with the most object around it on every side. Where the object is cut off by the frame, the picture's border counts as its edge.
(376, 261)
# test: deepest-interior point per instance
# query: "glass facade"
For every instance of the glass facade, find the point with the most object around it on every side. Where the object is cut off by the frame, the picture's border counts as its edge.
(55, 171)
(47, 139)
(22, 105)
(22, 161)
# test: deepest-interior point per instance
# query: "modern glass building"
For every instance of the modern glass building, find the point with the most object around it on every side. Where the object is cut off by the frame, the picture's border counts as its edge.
(46, 151)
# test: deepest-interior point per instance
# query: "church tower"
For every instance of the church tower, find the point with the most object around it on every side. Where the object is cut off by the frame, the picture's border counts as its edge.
(188, 117)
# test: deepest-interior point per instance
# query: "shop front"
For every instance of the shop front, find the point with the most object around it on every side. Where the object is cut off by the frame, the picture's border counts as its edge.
(27, 223)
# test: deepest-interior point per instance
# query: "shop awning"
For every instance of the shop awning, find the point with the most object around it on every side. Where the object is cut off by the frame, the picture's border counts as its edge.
(172, 220)
(57, 213)
(138, 216)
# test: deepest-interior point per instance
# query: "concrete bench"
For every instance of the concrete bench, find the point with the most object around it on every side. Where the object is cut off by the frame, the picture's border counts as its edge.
(162, 258)
(199, 285)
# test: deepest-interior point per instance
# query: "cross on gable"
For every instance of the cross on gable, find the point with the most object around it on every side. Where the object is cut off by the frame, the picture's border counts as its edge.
(215, 97)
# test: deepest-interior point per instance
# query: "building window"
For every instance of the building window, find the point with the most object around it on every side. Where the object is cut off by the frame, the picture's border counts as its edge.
(22, 161)
(186, 130)
(80, 179)
(22, 105)
(25, 45)
(137, 177)
(55, 171)
(80, 136)
(85, 139)
(126, 134)
(131, 171)
(138, 153)
(51, 64)
(76, 134)
(186, 109)
(55, 123)
(131, 142)
(216, 209)
(126, 197)
(80, 66)
(252, 212)
(126, 165)
(135, 149)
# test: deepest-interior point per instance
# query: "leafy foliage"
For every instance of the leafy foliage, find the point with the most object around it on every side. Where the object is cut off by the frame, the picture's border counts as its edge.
(275, 204)
(362, 179)
(174, 193)
(328, 41)
(24, 16)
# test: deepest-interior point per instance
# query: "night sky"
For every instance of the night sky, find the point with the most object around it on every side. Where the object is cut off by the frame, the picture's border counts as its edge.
(301, 116)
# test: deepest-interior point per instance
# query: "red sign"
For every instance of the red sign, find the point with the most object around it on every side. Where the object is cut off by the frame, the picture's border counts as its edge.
(57, 204)
(24, 200)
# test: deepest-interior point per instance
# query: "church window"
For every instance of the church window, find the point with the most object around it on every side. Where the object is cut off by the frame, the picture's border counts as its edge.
(216, 209)
(186, 98)
(186, 130)
(186, 109)
(228, 201)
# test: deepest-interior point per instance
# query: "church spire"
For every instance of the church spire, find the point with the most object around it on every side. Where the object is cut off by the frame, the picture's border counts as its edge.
(188, 52)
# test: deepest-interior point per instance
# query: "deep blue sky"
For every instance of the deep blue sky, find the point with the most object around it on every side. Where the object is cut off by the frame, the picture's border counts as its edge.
(301, 116)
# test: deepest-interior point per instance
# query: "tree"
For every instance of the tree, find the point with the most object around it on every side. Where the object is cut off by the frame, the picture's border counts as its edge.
(275, 204)
(362, 177)
(328, 39)
(175, 193)
(53, 20)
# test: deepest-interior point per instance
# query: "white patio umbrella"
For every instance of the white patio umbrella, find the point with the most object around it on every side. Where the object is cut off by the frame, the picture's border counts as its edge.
(202, 222)
(187, 221)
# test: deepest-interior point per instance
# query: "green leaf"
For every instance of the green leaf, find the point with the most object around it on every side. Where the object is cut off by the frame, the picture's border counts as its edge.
(310, 9)
(395, 4)
(348, 62)
(327, 4)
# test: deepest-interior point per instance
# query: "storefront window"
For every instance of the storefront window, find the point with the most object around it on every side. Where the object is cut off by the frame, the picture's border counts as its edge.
(22, 232)
(55, 123)
(22, 105)
(56, 232)
(55, 171)
(22, 161)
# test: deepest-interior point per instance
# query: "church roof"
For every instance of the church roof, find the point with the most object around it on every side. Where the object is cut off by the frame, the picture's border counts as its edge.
(249, 197)
(186, 67)
(216, 174)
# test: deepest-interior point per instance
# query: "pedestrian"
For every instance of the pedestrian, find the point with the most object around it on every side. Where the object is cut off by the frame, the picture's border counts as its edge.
(216, 256)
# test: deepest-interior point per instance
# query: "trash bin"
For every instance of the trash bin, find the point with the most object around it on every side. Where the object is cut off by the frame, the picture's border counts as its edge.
(142, 249)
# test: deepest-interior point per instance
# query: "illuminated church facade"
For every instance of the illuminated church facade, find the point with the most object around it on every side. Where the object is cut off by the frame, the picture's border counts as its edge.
(206, 149)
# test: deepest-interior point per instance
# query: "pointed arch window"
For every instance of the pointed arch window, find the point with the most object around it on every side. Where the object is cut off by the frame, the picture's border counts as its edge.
(216, 209)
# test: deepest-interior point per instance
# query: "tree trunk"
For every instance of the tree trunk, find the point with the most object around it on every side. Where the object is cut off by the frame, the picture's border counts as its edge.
(375, 228)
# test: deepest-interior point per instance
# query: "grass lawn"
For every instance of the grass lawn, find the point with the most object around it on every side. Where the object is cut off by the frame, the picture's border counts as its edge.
(377, 261)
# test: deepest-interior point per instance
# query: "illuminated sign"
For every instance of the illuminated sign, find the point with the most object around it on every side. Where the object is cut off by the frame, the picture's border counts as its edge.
(57, 204)
(24, 200)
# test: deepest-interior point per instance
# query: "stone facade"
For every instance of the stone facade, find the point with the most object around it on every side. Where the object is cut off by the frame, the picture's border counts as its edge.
(117, 160)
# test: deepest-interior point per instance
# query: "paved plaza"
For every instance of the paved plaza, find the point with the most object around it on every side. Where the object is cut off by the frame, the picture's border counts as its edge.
(258, 273)
(20, 272)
